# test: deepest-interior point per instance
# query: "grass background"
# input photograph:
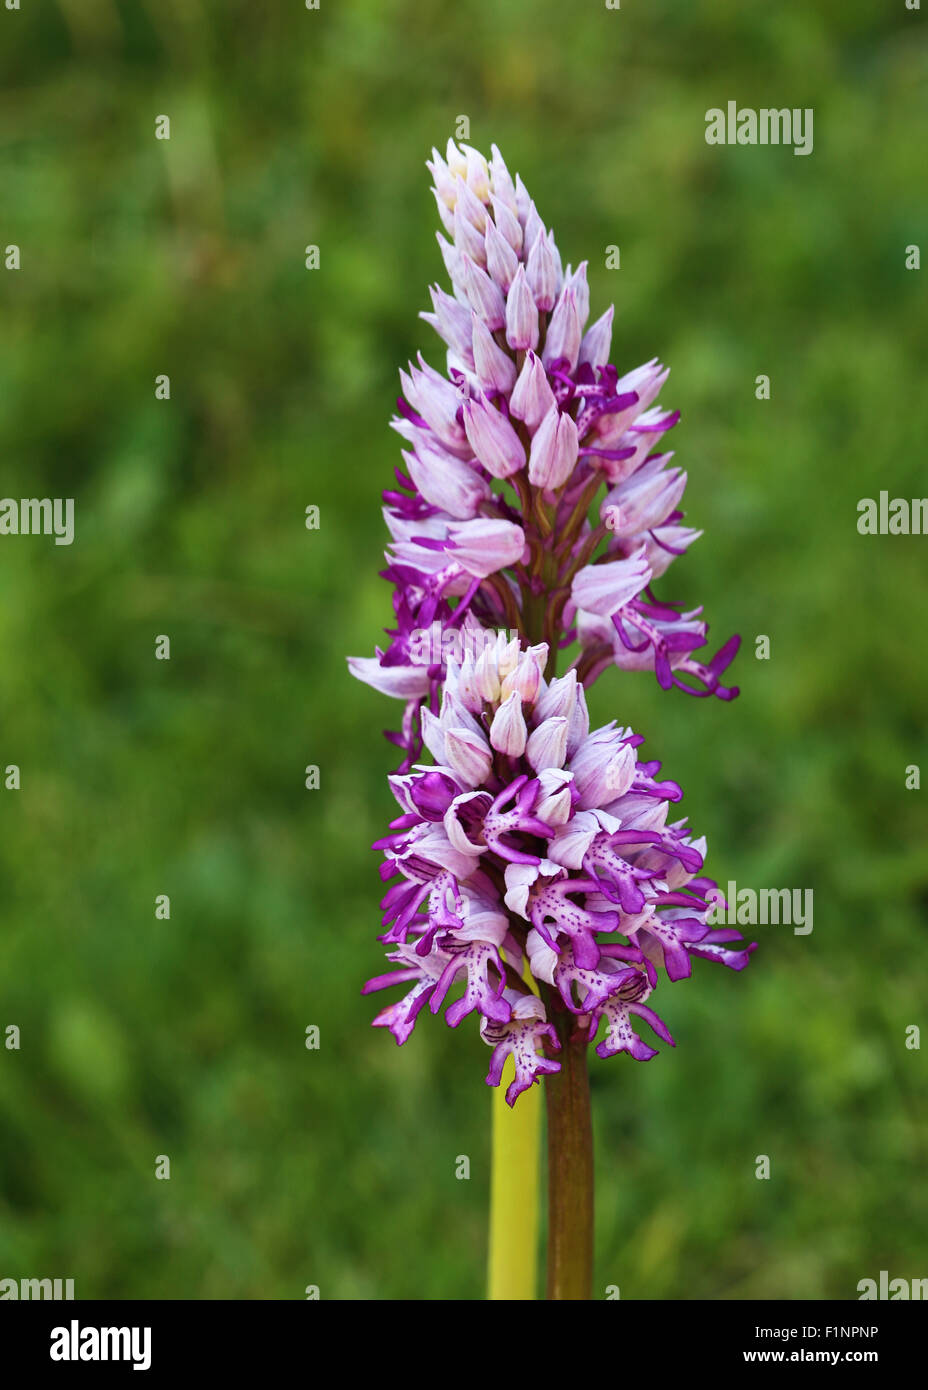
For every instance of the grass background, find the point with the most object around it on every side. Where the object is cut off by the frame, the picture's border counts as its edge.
(186, 1037)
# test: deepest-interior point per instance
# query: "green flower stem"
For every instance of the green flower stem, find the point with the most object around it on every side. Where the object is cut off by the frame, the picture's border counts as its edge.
(513, 1265)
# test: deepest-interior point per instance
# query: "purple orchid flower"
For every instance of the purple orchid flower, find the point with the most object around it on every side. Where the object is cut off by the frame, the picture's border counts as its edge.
(533, 865)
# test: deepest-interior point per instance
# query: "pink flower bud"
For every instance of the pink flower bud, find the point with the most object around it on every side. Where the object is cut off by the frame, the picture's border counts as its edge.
(525, 677)
(580, 286)
(521, 314)
(492, 438)
(468, 755)
(467, 240)
(485, 298)
(603, 774)
(554, 450)
(533, 227)
(508, 225)
(470, 206)
(603, 589)
(542, 271)
(485, 545)
(442, 178)
(446, 482)
(495, 371)
(452, 321)
(597, 340)
(560, 697)
(437, 401)
(502, 261)
(501, 182)
(562, 342)
(547, 745)
(532, 396)
(508, 733)
(477, 173)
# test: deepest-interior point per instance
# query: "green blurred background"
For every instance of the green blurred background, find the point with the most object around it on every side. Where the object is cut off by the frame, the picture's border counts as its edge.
(185, 1037)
